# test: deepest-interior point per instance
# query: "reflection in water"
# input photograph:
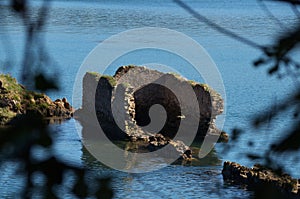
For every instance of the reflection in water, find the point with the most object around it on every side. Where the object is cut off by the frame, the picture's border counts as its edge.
(210, 160)
(90, 161)
(201, 179)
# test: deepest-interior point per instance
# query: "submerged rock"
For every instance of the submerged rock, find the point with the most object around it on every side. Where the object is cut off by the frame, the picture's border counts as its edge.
(15, 101)
(260, 177)
(123, 105)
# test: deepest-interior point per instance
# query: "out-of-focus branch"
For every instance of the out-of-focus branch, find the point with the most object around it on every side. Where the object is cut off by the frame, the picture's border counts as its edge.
(292, 2)
(276, 54)
(217, 27)
(296, 11)
(278, 57)
(29, 132)
(270, 14)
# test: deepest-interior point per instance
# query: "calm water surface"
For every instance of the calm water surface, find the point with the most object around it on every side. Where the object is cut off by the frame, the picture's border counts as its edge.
(75, 28)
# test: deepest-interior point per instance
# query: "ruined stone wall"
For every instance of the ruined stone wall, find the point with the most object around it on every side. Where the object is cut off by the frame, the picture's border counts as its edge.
(139, 99)
(90, 82)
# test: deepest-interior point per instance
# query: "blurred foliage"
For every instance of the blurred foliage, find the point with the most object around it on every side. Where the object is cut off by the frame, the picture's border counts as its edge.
(21, 142)
(18, 142)
(30, 135)
(279, 59)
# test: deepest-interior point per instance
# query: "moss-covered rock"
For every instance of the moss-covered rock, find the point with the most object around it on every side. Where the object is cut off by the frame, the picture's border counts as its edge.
(16, 100)
(6, 115)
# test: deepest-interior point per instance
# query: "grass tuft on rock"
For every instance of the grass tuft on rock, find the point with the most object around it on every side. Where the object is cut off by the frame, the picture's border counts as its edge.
(110, 79)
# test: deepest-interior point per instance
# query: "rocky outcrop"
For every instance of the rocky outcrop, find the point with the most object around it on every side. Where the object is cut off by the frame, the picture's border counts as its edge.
(260, 177)
(210, 102)
(16, 100)
(123, 102)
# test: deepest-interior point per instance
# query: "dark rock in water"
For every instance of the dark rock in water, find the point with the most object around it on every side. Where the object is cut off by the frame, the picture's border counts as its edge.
(260, 179)
(15, 100)
(123, 107)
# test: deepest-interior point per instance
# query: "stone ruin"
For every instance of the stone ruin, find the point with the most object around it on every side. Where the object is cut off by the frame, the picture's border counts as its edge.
(123, 107)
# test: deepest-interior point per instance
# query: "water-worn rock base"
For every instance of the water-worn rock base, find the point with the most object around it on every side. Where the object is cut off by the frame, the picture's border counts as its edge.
(262, 180)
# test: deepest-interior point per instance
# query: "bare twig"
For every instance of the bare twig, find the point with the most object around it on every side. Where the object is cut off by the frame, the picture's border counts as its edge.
(295, 10)
(293, 2)
(218, 27)
(270, 14)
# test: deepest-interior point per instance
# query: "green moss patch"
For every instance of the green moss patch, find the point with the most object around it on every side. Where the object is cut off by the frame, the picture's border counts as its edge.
(110, 79)
(10, 83)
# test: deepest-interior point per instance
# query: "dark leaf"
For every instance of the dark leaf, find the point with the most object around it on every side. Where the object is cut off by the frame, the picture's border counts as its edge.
(250, 143)
(253, 156)
(235, 134)
(259, 62)
(80, 188)
(293, 2)
(291, 142)
(273, 69)
(44, 83)
(105, 191)
(19, 5)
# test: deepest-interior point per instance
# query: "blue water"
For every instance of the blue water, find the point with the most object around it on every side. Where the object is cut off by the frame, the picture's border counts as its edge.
(74, 28)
